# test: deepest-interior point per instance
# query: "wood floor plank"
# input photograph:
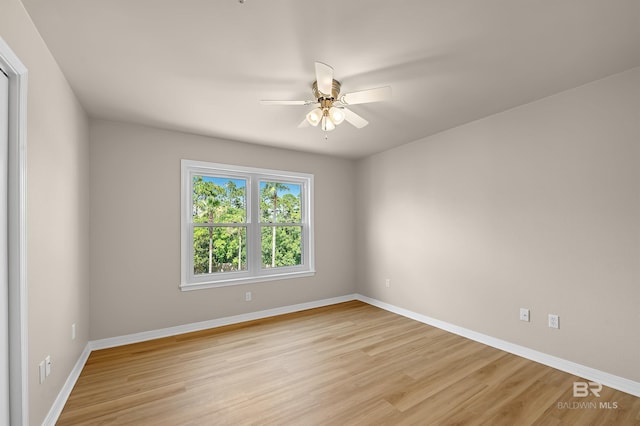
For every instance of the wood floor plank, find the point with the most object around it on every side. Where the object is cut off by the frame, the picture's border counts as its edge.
(350, 363)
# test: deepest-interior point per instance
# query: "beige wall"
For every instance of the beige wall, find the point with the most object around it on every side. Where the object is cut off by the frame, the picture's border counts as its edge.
(57, 211)
(536, 207)
(135, 226)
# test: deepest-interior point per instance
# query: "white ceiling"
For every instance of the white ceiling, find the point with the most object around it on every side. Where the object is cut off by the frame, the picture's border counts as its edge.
(201, 66)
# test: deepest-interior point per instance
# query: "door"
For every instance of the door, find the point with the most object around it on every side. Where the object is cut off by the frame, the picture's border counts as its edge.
(4, 260)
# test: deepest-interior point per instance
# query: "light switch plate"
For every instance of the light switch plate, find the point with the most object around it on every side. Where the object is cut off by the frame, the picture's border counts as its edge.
(554, 321)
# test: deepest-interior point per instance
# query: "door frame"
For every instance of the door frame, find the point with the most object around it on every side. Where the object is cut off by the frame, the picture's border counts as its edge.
(17, 236)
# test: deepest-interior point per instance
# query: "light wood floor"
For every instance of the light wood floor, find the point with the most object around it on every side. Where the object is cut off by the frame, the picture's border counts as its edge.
(350, 363)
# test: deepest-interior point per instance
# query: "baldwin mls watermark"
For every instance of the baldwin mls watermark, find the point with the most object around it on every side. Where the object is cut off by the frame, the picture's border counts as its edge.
(583, 390)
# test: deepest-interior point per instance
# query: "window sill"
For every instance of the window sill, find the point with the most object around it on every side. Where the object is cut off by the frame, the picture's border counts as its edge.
(247, 280)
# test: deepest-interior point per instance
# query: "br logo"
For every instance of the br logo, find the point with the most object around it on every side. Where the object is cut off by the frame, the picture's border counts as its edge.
(582, 389)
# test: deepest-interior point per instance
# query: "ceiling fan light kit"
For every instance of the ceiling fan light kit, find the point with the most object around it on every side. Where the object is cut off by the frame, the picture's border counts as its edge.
(329, 107)
(327, 115)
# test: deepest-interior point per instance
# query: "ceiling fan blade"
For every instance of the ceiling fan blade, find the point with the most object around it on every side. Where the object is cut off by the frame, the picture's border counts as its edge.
(324, 77)
(366, 96)
(354, 118)
(303, 124)
(268, 102)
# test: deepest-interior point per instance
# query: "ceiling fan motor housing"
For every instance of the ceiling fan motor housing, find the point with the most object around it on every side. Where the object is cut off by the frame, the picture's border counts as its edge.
(335, 91)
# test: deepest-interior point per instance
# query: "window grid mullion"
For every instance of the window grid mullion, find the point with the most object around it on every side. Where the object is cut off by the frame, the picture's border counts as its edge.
(220, 225)
(255, 242)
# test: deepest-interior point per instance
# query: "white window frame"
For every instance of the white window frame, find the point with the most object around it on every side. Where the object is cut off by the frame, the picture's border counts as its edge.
(254, 272)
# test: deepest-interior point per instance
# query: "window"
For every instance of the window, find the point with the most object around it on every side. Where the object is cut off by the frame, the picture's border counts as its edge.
(242, 225)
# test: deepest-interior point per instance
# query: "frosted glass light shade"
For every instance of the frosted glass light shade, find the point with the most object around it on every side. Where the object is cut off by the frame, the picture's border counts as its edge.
(314, 116)
(327, 124)
(336, 115)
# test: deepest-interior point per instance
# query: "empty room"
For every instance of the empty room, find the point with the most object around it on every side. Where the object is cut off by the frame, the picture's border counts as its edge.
(285, 212)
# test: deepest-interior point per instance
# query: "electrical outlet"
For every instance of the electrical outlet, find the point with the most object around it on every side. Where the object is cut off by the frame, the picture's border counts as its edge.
(387, 283)
(47, 366)
(554, 321)
(524, 314)
(73, 331)
(247, 296)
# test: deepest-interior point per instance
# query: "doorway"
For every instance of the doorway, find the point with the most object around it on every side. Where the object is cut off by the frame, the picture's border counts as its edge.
(4, 244)
(13, 284)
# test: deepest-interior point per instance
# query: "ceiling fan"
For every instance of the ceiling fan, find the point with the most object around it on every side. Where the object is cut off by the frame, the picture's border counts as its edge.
(331, 107)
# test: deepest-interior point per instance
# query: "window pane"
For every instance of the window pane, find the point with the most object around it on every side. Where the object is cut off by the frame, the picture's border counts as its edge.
(280, 202)
(219, 200)
(281, 246)
(219, 249)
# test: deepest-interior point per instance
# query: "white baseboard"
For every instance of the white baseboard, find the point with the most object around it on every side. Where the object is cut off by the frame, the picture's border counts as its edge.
(607, 379)
(604, 378)
(63, 395)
